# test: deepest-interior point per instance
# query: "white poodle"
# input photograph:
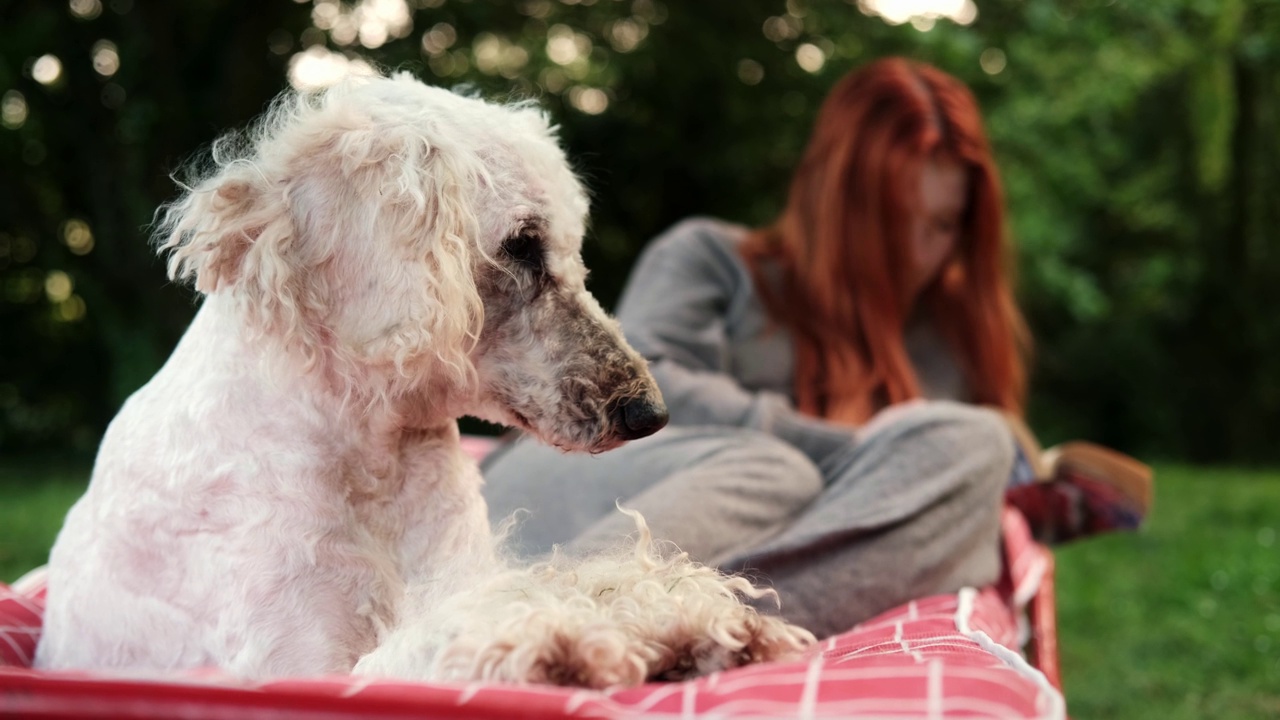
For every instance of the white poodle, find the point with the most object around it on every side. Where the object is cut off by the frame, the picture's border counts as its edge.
(288, 496)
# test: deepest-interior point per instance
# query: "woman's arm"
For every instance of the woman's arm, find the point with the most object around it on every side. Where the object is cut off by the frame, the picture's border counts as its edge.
(673, 312)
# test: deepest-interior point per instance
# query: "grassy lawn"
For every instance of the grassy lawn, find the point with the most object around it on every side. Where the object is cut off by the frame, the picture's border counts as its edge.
(1180, 621)
(34, 497)
(1183, 619)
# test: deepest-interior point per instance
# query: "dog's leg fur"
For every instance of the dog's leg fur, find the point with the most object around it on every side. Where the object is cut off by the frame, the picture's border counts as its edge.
(610, 620)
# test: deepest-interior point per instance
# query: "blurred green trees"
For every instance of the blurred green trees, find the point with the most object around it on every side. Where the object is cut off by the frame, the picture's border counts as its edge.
(1139, 141)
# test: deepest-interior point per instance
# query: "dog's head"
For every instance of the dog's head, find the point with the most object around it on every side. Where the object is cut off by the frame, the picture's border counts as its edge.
(420, 248)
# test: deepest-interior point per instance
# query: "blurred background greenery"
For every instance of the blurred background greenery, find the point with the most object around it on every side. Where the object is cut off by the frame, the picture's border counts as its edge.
(1139, 142)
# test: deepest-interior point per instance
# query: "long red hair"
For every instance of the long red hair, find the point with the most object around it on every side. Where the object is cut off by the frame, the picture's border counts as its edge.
(843, 246)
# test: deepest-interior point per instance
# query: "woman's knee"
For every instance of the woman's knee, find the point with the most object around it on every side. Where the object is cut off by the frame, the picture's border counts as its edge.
(975, 438)
(972, 425)
(762, 462)
(984, 436)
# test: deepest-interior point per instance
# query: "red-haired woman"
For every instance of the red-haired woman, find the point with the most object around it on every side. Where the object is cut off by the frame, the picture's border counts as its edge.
(795, 360)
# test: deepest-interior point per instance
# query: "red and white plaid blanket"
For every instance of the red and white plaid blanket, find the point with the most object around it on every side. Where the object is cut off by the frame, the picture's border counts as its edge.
(949, 656)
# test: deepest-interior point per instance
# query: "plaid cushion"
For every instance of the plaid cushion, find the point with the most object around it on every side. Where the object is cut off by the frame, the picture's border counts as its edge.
(949, 656)
(21, 610)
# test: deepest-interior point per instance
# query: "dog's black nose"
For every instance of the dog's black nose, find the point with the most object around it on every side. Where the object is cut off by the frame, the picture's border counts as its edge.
(634, 418)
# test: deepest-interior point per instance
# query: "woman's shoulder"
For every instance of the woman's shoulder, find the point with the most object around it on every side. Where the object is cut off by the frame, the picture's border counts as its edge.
(696, 262)
(701, 240)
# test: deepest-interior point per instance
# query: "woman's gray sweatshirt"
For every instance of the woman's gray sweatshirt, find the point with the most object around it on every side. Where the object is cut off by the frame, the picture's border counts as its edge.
(691, 308)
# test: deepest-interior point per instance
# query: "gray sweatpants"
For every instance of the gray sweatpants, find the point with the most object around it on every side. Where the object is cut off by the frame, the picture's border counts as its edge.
(912, 510)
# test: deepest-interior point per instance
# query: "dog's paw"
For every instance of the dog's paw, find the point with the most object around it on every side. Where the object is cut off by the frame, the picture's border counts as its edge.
(680, 618)
(745, 640)
(702, 626)
(605, 621)
(548, 647)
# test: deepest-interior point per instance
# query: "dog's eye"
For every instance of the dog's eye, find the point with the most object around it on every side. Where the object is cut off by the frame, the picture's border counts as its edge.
(525, 250)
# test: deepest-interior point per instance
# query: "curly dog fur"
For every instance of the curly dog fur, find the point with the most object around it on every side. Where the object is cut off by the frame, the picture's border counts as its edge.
(288, 496)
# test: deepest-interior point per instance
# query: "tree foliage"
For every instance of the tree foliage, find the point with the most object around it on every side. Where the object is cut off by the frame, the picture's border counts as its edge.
(1138, 141)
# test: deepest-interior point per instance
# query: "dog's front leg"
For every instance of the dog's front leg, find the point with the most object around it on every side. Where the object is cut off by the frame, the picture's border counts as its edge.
(444, 547)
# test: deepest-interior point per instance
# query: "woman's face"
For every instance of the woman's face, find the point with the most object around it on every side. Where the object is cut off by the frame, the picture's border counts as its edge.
(944, 190)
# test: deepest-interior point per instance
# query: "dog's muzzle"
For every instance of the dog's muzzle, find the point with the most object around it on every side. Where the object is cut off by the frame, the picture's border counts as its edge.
(635, 417)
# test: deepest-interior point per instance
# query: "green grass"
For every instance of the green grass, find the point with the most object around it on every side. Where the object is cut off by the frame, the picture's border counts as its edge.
(34, 497)
(1179, 621)
(1183, 619)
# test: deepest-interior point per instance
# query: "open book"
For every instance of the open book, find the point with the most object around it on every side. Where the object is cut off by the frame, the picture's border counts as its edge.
(1084, 460)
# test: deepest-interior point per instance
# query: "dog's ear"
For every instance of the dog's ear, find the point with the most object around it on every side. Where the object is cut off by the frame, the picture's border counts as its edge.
(234, 233)
(426, 195)
(348, 219)
(224, 229)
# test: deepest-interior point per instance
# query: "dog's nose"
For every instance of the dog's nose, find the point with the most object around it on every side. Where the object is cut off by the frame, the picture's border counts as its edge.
(634, 418)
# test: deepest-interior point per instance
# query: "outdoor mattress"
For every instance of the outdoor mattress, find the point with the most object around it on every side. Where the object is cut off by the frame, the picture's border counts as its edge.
(948, 656)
